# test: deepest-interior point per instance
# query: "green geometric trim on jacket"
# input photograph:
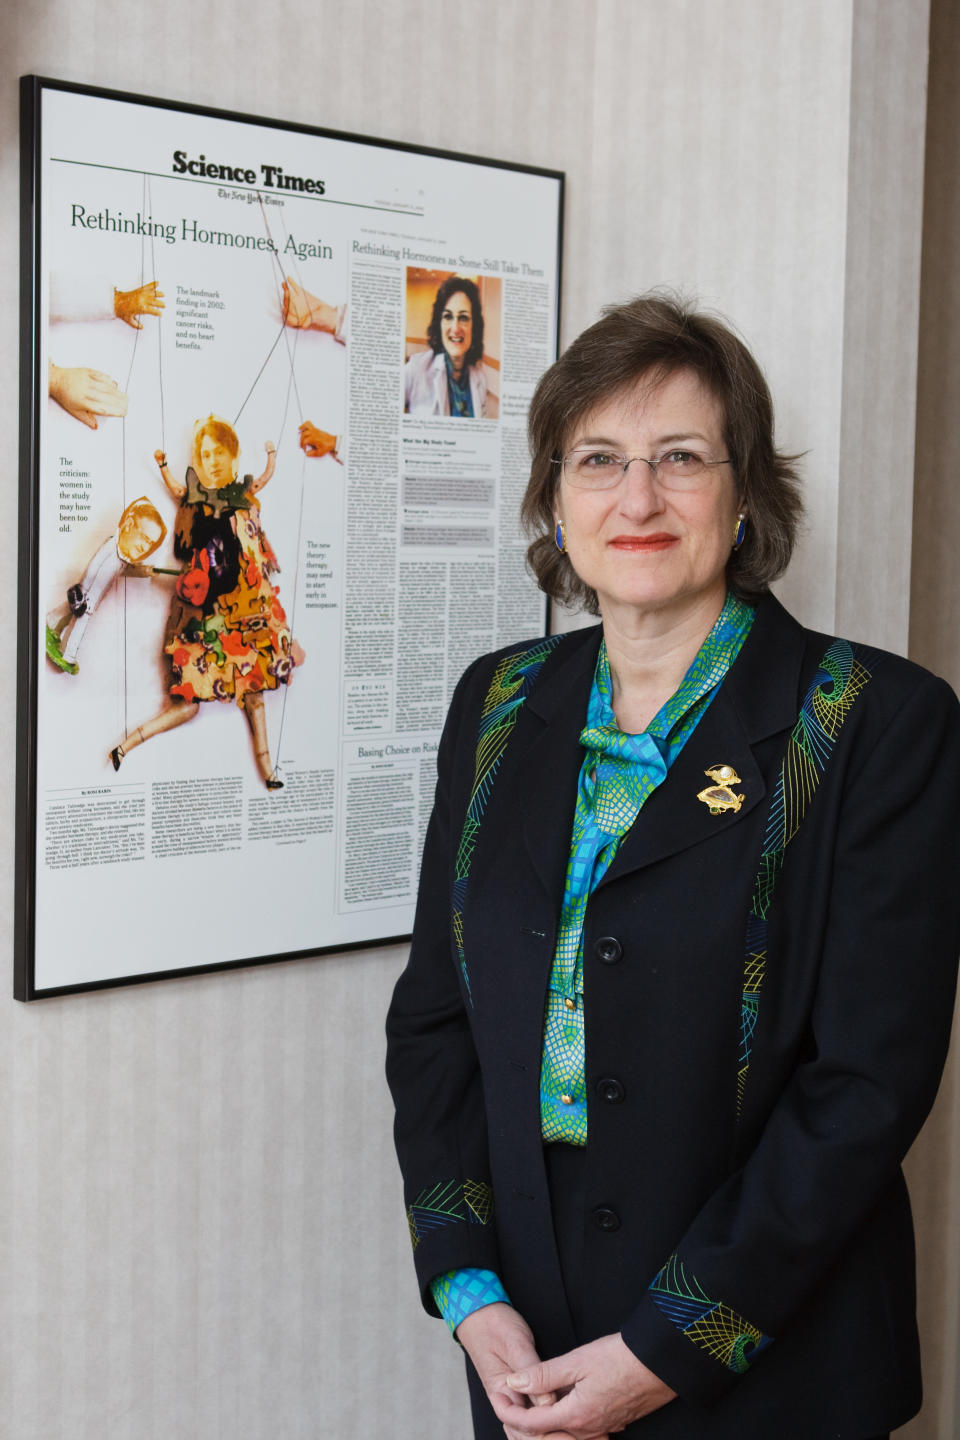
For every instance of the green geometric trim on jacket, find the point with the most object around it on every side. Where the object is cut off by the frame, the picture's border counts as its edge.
(511, 684)
(841, 677)
(450, 1202)
(709, 1324)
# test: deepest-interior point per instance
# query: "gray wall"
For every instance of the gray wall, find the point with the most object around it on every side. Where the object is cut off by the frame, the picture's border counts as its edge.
(201, 1233)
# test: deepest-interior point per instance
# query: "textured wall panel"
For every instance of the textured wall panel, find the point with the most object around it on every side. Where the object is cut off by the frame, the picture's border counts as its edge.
(881, 314)
(934, 1163)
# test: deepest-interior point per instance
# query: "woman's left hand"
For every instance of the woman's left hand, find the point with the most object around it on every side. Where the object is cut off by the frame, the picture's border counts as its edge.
(602, 1388)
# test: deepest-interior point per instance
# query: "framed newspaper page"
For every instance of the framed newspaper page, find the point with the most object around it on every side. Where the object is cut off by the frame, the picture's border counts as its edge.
(274, 393)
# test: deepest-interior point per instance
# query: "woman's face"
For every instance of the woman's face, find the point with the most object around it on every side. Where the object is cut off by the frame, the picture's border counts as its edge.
(456, 327)
(642, 547)
(218, 465)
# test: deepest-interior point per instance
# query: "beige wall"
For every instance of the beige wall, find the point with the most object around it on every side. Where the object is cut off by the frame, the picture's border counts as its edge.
(201, 1233)
(934, 1166)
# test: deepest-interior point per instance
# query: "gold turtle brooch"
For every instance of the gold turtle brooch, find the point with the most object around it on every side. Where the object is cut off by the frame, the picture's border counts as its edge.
(719, 796)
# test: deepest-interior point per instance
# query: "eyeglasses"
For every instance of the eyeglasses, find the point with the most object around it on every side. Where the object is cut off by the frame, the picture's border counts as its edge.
(590, 467)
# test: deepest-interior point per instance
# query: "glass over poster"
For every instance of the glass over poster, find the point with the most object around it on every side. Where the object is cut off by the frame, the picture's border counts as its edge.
(275, 384)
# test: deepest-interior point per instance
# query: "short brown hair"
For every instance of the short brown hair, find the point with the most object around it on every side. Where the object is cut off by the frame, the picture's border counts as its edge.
(220, 431)
(654, 336)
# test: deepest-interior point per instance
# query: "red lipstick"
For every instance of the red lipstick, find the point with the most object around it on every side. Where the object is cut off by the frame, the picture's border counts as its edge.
(643, 544)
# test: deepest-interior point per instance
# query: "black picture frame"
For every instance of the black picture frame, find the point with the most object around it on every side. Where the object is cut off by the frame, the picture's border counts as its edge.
(107, 938)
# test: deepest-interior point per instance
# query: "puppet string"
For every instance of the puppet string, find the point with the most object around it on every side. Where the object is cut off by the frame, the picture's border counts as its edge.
(293, 605)
(153, 267)
(123, 471)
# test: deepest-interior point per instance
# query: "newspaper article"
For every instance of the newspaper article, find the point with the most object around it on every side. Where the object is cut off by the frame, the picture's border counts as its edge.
(282, 450)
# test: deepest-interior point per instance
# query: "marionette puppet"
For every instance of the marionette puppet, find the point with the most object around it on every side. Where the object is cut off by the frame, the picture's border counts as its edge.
(227, 635)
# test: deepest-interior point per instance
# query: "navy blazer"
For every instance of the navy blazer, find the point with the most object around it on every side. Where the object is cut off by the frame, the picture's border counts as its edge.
(792, 1213)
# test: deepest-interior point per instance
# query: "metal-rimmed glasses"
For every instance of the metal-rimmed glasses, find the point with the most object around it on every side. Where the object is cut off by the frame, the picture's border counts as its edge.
(596, 467)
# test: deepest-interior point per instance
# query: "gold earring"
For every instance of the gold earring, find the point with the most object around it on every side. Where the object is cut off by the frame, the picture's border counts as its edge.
(741, 530)
(559, 538)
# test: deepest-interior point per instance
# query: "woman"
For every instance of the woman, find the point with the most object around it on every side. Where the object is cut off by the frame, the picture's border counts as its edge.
(227, 635)
(682, 974)
(449, 379)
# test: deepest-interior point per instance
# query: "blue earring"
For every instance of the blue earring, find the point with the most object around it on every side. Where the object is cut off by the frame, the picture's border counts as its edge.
(741, 530)
(559, 538)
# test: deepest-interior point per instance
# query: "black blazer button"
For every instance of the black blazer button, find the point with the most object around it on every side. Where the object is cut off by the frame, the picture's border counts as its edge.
(608, 949)
(606, 1219)
(610, 1090)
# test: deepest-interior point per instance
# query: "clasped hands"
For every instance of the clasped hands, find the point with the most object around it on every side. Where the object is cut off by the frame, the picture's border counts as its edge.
(588, 1394)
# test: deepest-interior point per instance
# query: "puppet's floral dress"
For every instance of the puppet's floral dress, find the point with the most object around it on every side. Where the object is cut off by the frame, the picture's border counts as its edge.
(227, 634)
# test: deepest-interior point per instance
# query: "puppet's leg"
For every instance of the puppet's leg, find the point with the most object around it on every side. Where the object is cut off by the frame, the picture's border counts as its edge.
(85, 597)
(82, 599)
(257, 720)
(176, 714)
